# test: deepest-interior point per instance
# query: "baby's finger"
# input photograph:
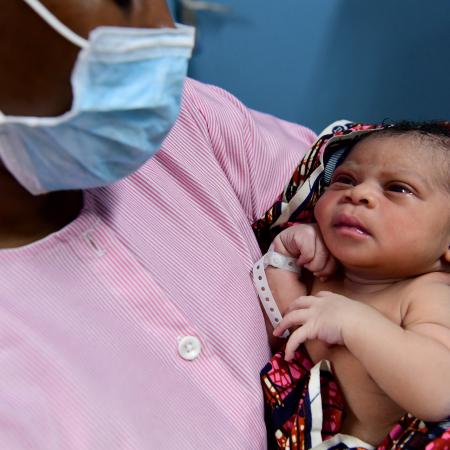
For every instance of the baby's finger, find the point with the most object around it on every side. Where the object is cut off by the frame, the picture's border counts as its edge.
(299, 336)
(293, 319)
(305, 301)
(307, 251)
(329, 269)
(320, 258)
(322, 294)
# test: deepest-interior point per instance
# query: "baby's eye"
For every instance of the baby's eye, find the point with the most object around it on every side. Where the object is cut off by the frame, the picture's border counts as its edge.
(400, 188)
(342, 179)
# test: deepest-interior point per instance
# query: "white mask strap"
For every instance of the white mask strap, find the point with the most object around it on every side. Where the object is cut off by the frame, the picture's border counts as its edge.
(56, 24)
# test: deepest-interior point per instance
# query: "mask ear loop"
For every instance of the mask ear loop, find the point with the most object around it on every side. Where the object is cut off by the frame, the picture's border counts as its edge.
(56, 24)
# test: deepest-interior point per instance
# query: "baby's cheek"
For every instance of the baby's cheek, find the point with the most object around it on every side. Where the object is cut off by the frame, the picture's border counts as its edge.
(322, 210)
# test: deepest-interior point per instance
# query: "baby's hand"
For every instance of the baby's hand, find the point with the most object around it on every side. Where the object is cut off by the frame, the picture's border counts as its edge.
(304, 242)
(322, 316)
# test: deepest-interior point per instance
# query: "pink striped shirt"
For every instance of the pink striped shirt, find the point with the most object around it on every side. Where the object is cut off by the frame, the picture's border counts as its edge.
(96, 318)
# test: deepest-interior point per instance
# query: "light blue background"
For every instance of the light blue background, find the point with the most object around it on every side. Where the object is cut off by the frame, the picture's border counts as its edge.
(313, 61)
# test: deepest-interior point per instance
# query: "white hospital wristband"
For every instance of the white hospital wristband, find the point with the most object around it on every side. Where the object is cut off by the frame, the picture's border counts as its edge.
(279, 261)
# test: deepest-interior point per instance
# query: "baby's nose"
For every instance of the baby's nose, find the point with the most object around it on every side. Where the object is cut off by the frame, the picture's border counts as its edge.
(363, 194)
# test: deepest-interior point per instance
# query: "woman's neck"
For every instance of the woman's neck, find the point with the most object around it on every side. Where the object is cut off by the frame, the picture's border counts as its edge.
(25, 218)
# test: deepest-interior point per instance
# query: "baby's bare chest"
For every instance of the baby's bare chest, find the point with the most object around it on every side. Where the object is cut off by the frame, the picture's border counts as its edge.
(366, 403)
(369, 412)
(391, 301)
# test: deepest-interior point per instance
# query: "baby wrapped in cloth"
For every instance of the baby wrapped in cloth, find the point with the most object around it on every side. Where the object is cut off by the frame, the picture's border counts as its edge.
(304, 402)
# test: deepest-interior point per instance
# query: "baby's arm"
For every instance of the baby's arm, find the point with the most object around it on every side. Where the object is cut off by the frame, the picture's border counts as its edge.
(303, 242)
(410, 363)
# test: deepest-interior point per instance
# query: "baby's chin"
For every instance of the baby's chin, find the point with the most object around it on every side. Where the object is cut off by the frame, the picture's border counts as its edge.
(373, 279)
(369, 272)
(385, 275)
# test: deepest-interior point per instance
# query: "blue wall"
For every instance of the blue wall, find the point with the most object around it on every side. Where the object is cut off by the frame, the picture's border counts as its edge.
(313, 61)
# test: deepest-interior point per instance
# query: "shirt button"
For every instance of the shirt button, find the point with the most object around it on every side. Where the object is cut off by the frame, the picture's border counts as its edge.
(189, 347)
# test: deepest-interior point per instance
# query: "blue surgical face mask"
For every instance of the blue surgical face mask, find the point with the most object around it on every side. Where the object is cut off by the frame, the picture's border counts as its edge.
(127, 85)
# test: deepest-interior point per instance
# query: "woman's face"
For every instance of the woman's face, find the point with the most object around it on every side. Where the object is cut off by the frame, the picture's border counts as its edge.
(36, 62)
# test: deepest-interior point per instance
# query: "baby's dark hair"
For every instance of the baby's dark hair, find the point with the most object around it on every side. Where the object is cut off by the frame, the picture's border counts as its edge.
(436, 133)
(438, 129)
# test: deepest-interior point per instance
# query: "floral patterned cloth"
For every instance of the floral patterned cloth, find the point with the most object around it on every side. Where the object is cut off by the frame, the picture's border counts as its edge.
(293, 420)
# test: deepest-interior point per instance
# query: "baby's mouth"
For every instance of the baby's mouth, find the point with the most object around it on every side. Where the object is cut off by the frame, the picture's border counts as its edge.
(350, 224)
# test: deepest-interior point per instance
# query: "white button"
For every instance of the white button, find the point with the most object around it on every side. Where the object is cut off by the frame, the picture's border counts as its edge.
(189, 347)
(276, 260)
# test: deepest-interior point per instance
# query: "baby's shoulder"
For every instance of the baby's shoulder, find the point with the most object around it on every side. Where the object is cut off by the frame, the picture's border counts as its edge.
(427, 299)
(437, 283)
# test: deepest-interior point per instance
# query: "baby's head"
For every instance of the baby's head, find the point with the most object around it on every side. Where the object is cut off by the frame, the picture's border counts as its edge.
(386, 212)
(432, 139)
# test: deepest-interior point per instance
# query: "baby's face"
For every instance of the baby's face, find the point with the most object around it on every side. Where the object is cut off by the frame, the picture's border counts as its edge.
(386, 213)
